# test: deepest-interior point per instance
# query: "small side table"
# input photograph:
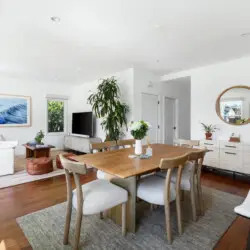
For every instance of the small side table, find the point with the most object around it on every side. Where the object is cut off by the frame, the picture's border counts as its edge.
(37, 152)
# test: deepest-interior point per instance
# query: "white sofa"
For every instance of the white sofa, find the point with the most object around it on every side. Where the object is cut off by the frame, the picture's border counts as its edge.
(7, 155)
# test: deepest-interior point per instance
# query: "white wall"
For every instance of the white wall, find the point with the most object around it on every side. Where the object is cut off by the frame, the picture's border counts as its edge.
(147, 82)
(37, 91)
(206, 85)
(81, 92)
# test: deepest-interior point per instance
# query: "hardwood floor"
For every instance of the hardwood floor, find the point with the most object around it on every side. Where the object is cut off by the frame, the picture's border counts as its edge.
(235, 238)
(27, 198)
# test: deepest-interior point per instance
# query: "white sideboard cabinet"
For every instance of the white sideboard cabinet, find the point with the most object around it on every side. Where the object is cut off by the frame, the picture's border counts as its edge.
(78, 143)
(226, 155)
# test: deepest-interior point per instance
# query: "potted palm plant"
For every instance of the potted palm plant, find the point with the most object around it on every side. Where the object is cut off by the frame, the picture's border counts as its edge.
(107, 105)
(209, 129)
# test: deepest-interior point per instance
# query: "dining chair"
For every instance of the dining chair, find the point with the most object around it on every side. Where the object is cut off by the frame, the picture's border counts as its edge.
(186, 143)
(156, 190)
(126, 142)
(197, 158)
(91, 198)
(102, 147)
(191, 180)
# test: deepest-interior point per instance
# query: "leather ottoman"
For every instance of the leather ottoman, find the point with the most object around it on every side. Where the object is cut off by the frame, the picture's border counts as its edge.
(38, 166)
(58, 162)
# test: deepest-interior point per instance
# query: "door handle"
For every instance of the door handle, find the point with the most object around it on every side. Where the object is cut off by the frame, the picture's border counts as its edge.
(174, 128)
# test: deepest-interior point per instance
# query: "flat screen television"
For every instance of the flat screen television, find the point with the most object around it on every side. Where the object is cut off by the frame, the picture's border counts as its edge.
(82, 123)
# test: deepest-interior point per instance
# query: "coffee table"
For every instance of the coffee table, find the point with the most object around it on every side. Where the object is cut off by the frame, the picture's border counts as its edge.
(36, 152)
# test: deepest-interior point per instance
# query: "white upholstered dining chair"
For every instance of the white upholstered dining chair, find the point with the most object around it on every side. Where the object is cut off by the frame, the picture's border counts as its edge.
(191, 180)
(156, 190)
(102, 147)
(95, 197)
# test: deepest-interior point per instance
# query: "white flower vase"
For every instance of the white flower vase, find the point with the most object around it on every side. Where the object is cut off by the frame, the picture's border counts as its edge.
(138, 147)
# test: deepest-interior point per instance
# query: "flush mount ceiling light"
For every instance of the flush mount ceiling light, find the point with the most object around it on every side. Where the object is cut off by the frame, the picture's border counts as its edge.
(245, 34)
(55, 19)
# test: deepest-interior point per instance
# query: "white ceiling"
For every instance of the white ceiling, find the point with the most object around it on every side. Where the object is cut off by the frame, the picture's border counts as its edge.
(98, 37)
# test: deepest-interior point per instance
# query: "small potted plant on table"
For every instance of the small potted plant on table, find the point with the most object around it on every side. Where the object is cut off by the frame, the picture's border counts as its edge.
(39, 138)
(209, 129)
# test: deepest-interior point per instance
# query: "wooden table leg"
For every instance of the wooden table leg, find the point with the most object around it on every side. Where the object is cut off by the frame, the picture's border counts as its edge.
(116, 213)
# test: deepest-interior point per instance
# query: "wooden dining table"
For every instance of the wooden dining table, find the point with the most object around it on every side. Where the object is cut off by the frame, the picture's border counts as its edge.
(123, 171)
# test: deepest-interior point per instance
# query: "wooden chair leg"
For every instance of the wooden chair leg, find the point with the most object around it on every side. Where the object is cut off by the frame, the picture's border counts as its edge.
(193, 204)
(182, 194)
(179, 214)
(151, 207)
(67, 223)
(79, 211)
(78, 229)
(200, 198)
(69, 208)
(168, 222)
(124, 207)
(101, 216)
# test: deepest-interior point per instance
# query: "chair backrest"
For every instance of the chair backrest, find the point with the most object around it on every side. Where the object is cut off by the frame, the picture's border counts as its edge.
(102, 146)
(124, 143)
(198, 157)
(77, 169)
(187, 143)
(169, 164)
(72, 166)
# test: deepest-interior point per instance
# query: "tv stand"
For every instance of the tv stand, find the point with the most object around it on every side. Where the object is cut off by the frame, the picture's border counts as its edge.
(78, 143)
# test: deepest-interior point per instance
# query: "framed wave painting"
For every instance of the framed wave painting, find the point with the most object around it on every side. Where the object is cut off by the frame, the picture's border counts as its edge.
(15, 111)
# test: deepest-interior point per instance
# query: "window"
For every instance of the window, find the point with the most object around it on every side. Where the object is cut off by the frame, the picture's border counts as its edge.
(56, 115)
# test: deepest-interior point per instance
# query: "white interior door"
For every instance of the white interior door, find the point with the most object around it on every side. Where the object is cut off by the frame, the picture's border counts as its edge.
(170, 120)
(149, 107)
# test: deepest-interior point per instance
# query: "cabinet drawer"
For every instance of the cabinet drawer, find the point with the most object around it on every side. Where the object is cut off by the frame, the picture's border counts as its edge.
(212, 154)
(211, 163)
(208, 143)
(230, 159)
(212, 158)
(230, 145)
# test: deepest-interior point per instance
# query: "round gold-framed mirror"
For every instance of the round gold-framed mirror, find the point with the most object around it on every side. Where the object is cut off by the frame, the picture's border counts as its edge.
(233, 105)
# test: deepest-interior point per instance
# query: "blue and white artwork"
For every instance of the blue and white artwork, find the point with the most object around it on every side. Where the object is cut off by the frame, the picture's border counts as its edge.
(14, 110)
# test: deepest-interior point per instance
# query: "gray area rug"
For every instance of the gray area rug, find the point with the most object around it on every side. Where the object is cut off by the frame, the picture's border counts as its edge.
(44, 229)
